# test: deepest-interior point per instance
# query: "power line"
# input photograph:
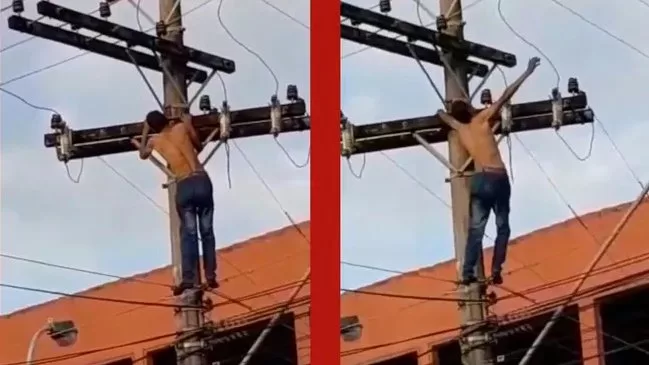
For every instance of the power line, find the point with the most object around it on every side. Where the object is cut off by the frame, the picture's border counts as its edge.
(601, 29)
(101, 299)
(413, 297)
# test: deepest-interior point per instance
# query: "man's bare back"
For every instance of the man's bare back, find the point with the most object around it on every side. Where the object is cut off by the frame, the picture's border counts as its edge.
(175, 146)
(176, 141)
(479, 140)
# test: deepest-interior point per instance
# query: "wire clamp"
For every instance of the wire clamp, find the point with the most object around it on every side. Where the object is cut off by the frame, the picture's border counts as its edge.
(65, 146)
(225, 122)
(557, 108)
(275, 116)
(347, 134)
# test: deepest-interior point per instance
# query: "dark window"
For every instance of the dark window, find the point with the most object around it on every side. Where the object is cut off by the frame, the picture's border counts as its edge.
(229, 347)
(563, 343)
(625, 317)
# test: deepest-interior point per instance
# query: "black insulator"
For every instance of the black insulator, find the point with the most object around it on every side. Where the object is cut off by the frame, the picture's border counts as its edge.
(56, 122)
(104, 9)
(385, 6)
(274, 99)
(573, 85)
(485, 97)
(74, 27)
(441, 23)
(204, 103)
(555, 93)
(355, 23)
(291, 93)
(18, 6)
(160, 28)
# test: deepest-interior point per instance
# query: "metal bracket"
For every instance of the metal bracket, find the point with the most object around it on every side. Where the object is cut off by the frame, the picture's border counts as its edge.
(482, 82)
(146, 81)
(347, 131)
(275, 116)
(434, 152)
(65, 147)
(212, 152)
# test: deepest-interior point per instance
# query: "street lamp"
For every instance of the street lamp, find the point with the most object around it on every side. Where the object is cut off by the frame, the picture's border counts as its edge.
(350, 328)
(64, 333)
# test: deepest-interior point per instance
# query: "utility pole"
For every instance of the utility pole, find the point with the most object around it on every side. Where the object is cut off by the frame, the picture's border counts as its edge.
(169, 56)
(451, 51)
(457, 86)
(188, 317)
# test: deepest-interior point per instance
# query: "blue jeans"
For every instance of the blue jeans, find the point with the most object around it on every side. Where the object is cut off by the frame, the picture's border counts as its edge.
(195, 203)
(490, 190)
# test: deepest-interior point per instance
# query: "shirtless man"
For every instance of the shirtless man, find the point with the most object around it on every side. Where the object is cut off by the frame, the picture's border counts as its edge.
(177, 142)
(490, 188)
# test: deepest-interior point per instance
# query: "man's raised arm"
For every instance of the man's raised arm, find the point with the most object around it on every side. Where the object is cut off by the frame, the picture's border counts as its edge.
(448, 119)
(494, 108)
(143, 145)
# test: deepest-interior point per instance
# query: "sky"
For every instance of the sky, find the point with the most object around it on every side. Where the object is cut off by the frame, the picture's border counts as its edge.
(102, 223)
(388, 220)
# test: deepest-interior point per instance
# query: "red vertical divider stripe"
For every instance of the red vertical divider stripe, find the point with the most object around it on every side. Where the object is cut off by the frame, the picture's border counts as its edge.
(325, 182)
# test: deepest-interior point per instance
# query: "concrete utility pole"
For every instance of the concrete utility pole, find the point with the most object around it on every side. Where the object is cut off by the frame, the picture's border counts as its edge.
(170, 57)
(450, 50)
(476, 348)
(175, 99)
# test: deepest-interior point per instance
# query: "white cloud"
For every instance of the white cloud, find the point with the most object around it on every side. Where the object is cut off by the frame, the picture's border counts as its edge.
(102, 223)
(389, 221)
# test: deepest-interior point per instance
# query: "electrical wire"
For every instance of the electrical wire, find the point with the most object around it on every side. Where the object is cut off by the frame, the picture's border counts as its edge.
(524, 40)
(358, 175)
(420, 7)
(74, 355)
(520, 319)
(102, 299)
(413, 297)
(270, 70)
(271, 192)
(67, 167)
(554, 186)
(246, 48)
(601, 29)
(289, 16)
(619, 153)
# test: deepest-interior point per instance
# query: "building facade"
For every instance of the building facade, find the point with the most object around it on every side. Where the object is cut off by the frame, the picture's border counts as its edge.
(606, 325)
(259, 274)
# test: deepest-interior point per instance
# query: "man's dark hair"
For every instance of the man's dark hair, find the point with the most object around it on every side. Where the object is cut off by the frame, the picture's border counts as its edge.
(156, 120)
(461, 110)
